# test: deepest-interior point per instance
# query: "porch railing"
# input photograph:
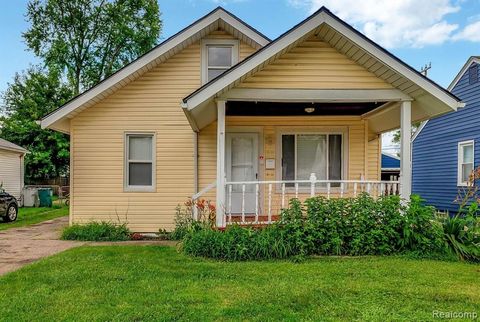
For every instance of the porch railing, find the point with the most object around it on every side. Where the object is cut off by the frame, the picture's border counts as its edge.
(260, 202)
(270, 197)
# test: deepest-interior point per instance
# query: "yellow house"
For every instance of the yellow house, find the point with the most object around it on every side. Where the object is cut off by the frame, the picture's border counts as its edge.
(221, 112)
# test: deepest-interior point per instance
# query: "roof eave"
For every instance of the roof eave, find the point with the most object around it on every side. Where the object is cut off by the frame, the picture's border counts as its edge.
(322, 16)
(149, 57)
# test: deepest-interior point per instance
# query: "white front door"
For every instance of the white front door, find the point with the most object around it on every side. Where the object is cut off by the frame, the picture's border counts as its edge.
(242, 165)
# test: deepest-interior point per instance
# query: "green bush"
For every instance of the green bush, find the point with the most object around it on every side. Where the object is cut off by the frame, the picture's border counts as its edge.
(97, 231)
(184, 216)
(239, 243)
(320, 226)
(462, 234)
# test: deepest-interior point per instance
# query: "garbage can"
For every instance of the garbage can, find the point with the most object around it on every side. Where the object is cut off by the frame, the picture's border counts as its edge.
(45, 197)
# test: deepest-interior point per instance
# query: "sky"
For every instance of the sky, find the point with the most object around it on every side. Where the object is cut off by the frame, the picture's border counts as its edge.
(441, 32)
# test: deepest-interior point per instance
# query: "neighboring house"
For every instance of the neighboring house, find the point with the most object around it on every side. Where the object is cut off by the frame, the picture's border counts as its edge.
(444, 151)
(390, 166)
(12, 168)
(219, 104)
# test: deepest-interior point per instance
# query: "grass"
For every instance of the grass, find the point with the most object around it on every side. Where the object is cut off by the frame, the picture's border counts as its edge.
(29, 216)
(143, 283)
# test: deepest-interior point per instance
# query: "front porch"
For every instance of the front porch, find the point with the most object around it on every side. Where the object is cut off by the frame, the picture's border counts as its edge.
(268, 152)
(315, 100)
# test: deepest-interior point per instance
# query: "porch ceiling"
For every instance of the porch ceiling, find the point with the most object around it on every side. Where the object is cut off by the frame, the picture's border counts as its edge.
(380, 107)
(248, 108)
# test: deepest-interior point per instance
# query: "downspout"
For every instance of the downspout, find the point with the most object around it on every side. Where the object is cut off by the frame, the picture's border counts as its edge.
(195, 162)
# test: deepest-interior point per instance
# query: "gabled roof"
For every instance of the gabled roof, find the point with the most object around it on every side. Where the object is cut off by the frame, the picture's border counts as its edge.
(466, 66)
(6, 145)
(216, 18)
(409, 77)
(472, 59)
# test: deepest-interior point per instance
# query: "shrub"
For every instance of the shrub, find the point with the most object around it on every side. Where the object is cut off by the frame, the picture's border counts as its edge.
(421, 230)
(97, 231)
(184, 216)
(350, 226)
(239, 243)
(462, 234)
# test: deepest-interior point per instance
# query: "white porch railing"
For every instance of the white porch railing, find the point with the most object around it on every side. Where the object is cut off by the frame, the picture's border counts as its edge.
(270, 197)
(260, 202)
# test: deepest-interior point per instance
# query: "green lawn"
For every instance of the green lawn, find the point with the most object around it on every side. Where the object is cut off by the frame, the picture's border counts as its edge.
(28, 216)
(143, 283)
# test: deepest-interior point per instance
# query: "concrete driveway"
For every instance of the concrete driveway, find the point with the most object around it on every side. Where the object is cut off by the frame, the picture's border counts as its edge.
(21, 246)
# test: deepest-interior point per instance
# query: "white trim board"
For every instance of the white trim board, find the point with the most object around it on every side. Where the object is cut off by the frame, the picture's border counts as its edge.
(101, 89)
(470, 61)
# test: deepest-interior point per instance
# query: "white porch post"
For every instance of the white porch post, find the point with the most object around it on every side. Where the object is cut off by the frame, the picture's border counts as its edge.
(405, 150)
(220, 203)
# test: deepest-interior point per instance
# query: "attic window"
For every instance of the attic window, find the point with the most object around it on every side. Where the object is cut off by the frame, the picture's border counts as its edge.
(473, 74)
(218, 55)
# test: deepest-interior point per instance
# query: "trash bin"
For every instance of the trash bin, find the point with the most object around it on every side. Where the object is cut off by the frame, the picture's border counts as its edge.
(45, 197)
(30, 197)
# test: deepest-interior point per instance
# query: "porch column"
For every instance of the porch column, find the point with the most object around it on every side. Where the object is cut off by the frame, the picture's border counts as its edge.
(405, 150)
(220, 202)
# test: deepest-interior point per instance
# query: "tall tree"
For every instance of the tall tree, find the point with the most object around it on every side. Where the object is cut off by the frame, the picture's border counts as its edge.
(32, 95)
(88, 40)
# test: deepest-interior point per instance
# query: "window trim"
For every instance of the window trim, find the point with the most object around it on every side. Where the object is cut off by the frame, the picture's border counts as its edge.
(460, 162)
(234, 43)
(318, 131)
(126, 186)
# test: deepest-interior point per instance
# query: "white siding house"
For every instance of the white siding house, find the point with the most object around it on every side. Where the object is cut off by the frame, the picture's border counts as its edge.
(12, 168)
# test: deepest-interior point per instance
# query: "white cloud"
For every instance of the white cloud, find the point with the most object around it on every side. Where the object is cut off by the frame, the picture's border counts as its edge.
(471, 33)
(394, 23)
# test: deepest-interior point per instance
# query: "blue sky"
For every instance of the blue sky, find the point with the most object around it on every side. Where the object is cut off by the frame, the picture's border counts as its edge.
(443, 32)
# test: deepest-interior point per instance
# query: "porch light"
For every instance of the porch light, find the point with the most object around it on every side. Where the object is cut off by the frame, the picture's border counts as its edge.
(309, 109)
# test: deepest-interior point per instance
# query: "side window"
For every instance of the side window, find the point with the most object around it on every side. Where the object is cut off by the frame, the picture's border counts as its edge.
(218, 56)
(465, 162)
(139, 161)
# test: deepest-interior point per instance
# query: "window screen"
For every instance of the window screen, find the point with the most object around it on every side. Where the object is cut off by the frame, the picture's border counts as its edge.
(303, 154)
(219, 59)
(465, 162)
(139, 161)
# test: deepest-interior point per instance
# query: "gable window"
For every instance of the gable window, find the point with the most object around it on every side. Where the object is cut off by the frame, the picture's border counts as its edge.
(465, 162)
(303, 154)
(218, 55)
(473, 74)
(139, 161)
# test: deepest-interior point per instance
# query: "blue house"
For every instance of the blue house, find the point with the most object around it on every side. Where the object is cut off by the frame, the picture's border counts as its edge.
(390, 166)
(444, 152)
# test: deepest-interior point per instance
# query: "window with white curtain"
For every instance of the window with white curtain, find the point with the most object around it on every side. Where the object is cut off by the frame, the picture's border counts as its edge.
(465, 162)
(303, 154)
(140, 161)
(218, 56)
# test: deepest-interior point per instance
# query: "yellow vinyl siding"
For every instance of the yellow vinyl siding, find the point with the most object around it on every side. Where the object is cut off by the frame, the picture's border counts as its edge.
(314, 64)
(207, 158)
(151, 103)
(11, 172)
